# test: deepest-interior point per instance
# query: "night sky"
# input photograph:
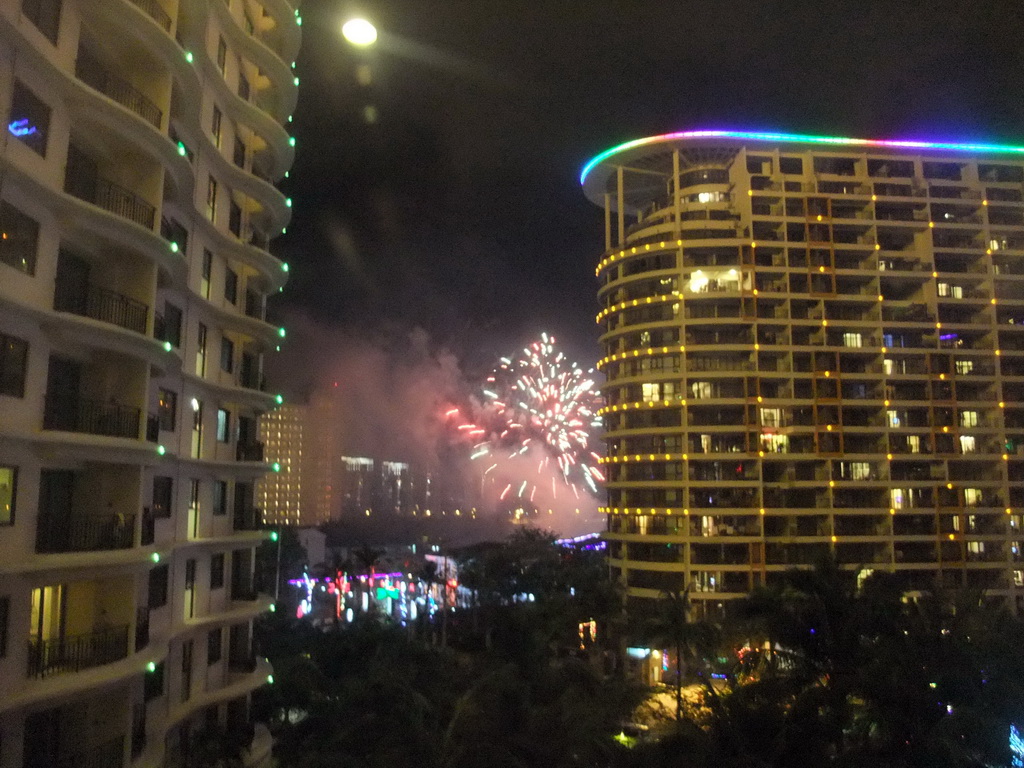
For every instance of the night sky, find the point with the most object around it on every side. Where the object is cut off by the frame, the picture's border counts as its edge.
(458, 211)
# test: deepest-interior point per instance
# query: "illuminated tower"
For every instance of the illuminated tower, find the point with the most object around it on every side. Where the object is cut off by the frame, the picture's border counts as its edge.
(283, 433)
(812, 345)
(142, 142)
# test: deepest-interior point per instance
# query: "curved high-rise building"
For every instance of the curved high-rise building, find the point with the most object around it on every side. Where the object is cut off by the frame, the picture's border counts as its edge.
(141, 143)
(812, 345)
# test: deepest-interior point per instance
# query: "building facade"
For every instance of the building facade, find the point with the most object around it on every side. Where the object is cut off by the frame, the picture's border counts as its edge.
(812, 346)
(137, 200)
(279, 495)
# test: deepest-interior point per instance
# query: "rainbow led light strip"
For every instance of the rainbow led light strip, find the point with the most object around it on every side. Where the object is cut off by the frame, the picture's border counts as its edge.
(797, 138)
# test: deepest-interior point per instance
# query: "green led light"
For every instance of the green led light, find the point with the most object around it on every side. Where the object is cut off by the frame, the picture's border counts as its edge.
(298, 20)
(288, 202)
(151, 667)
(155, 557)
(287, 174)
(174, 247)
(276, 466)
(290, 118)
(189, 57)
(274, 536)
(270, 679)
(281, 332)
(296, 81)
(167, 346)
(273, 608)
(279, 399)
(181, 149)
(291, 141)
(284, 266)
(278, 348)
(160, 450)
(284, 230)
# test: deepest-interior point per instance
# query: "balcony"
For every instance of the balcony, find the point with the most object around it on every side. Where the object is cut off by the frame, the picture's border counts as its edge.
(148, 527)
(244, 663)
(251, 451)
(91, 417)
(82, 181)
(91, 71)
(101, 304)
(154, 11)
(75, 653)
(85, 533)
(248, 519)
(141, 628)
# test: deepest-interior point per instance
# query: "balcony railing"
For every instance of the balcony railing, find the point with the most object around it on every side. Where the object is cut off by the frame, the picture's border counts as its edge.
(155, 12)
(101, 304)
(92, 417)
(76, 652)
(250, 519)
(242, 662)
(252, 451)
(85, 533)
(91, 71)
(109, 196)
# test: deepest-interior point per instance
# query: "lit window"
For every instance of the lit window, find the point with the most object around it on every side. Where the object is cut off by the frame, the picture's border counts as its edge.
(29, 118)
(899, 498)
(19, 239)
(972, 497)
(914, 443)
(852, 340)
(223, 425)
(771, 417)
(968, 418)
(893, 418)
(8, 488)
(967, 444)
(775, 443)
(964, 366)
(701, 389)
(888, 366)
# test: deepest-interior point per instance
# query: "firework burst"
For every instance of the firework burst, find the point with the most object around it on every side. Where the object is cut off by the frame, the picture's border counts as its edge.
(534, 425)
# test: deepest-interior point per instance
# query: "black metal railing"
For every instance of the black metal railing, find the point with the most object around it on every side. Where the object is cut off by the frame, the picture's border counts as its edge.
(109, 196)
(101, 304)
(249, 519)
(76, 652)
(242, 662)
(141, 628)
(85, 533)
(155, 12)
(91, 416)
(109, 754)
(91, 71)
(250, 451)
(148, 527)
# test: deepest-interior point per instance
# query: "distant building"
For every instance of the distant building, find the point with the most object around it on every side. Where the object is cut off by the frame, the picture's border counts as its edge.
(279, 494)
(814, 347)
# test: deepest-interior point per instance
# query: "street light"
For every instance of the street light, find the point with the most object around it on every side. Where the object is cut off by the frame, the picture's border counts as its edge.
(359, 32)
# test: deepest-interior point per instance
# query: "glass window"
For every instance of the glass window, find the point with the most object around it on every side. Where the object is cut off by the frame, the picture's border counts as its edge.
(204, 283)
(243, 86)
(172, 324)
(201, 351)
(968, 444)
(163, 488)
(13, 362)
(153, 682)
(8, 491)
(159, 578)
(29, 118)
(852, 340)
(227, 354)
(235, 219)
(964, 367)
(222, 55)
(19, 239)
(968, 418)
(215, 125)
(223, 425)
(231, 285)
(45, 14)
(220, 497)
(167, 409)
(211, 199)
(217, 571)
(213, 640)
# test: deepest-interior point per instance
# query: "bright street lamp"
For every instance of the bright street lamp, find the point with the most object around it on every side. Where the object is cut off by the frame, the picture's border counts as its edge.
(359, 32)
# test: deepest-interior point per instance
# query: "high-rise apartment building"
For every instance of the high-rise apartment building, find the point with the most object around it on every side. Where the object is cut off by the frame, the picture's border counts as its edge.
(279, 495)
(812, 345)
(141, 142)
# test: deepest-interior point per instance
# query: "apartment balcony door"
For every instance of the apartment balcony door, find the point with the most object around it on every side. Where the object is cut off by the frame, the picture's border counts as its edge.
(190, 589)
(71, 292)
(56, 499)
(193, 509)
(197, 430)
(63, 380)
(42, 739)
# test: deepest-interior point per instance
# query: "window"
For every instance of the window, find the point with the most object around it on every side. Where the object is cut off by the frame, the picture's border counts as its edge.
(231, 285)
(235, 219)
(217, 571)
(947, 290)
(204, 282)
(771, 417)
(13, 362)
(163, 488)
(29, 118)
(223, 425)
(968, 418)
(775, 443)
(158, 580)
(239, 152)
(45, 14)
(8, 491)
(201, 351)
(964, 367)
(215, 125)
(972, 497)
(914, 443)
(222, 55)
(227, 354)
(167, 409)
(213, 641)
(893, 418)
(172, 325)
(701, 389)
(852, 340)
(243, 86)
(220, 497)
(791, 165)
(19, 239)
(968, 444)
(211, 199)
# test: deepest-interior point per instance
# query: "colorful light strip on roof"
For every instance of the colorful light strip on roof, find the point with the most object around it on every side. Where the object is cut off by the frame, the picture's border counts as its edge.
(798, 138)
